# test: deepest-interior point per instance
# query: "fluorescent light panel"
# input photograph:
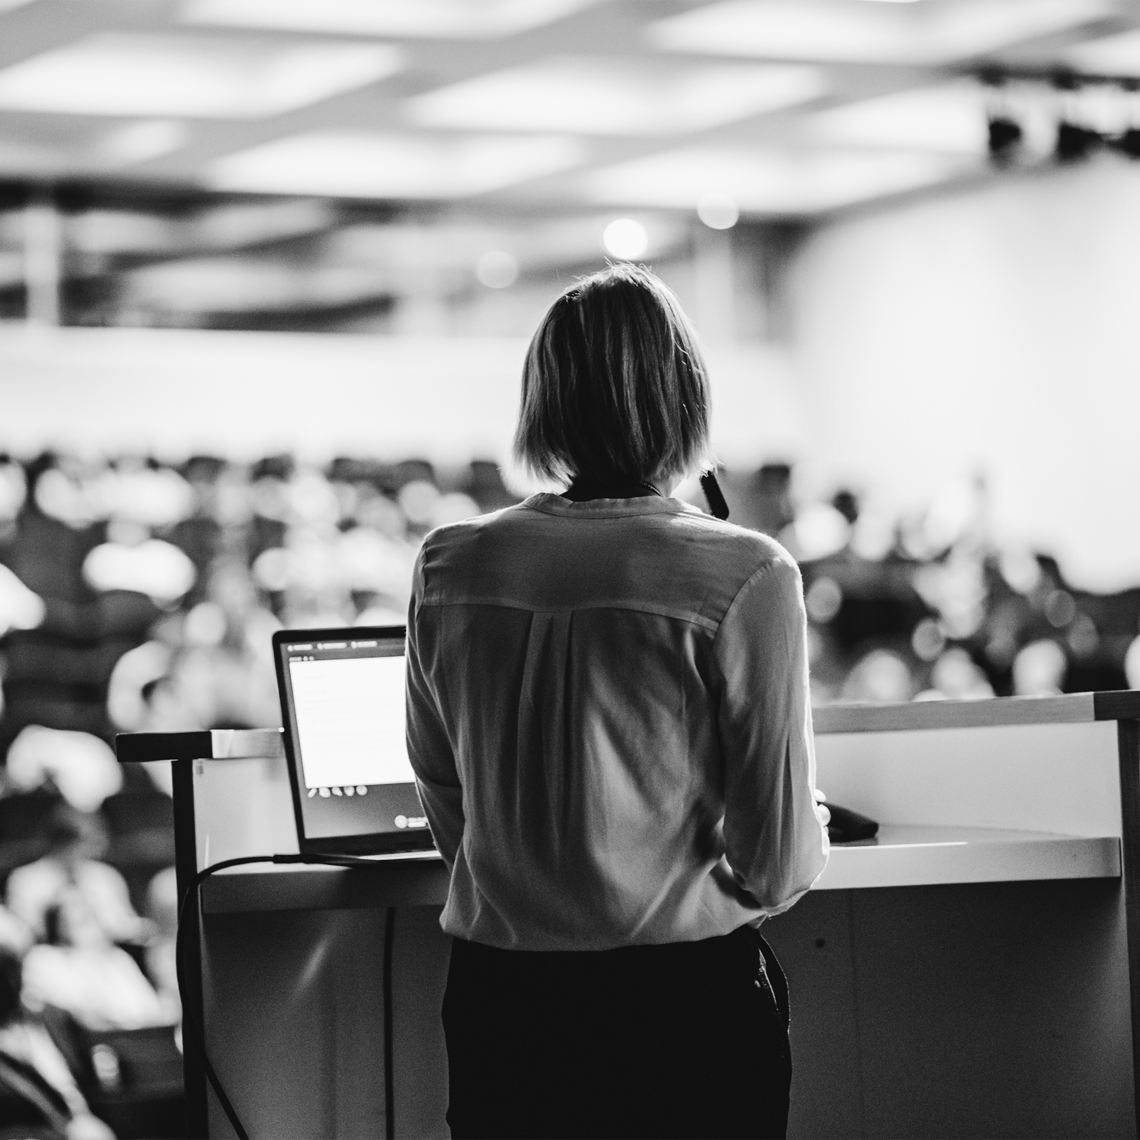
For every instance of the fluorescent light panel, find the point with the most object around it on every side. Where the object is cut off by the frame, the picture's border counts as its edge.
(1112, 55)
(192, 76)
(459, 19)
(392, 166)
(615, 96)
(840, 31)
(949, 119)
(771, 182)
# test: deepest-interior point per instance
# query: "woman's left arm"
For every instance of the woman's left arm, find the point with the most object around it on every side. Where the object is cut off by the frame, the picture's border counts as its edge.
(429, 742)
(775, 834)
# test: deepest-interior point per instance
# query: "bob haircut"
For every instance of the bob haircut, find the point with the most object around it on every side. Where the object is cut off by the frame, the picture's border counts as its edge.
(614, 388)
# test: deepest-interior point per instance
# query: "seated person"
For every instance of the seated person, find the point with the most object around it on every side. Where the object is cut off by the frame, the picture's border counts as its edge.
(161, 953)
(79, 909)
(90, 895)
(38, 1095)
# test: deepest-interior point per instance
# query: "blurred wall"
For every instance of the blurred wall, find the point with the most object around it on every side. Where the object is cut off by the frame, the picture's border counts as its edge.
(448, 399)
(993, 332)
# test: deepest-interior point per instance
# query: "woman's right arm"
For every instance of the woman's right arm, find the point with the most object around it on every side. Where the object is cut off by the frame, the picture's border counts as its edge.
(429, 742)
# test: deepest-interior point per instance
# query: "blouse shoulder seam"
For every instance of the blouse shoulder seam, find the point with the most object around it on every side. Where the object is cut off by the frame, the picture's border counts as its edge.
(755, 576)
(506, 603)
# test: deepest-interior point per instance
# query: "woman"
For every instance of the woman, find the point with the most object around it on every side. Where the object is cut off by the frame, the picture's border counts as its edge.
(608, 717)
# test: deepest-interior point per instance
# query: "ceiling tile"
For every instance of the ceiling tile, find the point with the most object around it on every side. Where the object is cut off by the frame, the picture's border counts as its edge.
(392, 166)
(950, 118)
(143, 141)
(22, 156)
(616, 96)
(458, 19)
(180, 75)
(848, 31)
(1112, 55)
(765, 182)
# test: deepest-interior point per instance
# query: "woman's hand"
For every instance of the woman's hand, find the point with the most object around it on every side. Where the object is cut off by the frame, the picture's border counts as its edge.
(821, 808)
(84, 1126)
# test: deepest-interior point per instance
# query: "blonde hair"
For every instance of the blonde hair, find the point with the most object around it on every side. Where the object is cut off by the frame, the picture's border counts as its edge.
(614, 386)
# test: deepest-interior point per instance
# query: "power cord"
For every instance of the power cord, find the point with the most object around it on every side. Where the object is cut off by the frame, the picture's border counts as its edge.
(193, 1034)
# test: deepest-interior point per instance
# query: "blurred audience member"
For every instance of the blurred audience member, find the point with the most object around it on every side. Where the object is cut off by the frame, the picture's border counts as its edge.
(38, 1094)
(162, 911)
(881, 677)
(86, 899)
(81, 767)
(955, 676)
(1039, 670)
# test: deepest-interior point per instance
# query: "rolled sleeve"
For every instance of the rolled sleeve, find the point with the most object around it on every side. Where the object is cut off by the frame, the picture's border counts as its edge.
(430, 748)
(775, 840)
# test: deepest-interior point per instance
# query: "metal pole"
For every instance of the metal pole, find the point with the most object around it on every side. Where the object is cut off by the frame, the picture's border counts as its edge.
(43, 260)
(1128, 743)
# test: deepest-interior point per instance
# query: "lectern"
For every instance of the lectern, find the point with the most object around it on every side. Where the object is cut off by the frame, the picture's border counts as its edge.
(972, 971)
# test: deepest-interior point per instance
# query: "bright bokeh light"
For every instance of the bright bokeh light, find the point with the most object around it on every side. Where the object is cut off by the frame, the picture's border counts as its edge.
(497, 269)
(625, 238)
(718, 211)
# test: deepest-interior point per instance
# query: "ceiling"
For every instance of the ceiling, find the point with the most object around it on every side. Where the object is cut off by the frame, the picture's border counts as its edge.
(788, 106)
(535, 115)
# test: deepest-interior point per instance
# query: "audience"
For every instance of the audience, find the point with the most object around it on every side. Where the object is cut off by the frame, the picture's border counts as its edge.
(39, 1096)
(141, 595)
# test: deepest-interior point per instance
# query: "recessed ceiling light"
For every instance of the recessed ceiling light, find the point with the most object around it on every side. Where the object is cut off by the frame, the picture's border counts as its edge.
(718, 211)
(391, 166)
(766, 182)
(192, 76)
(835, 30)
(615, 97)
(459, 19)
(950, 119)
(497, 269)
(625, 238)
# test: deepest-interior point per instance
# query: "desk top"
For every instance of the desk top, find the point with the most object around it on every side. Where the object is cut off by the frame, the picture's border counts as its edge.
(1070, 708)
(897, 857)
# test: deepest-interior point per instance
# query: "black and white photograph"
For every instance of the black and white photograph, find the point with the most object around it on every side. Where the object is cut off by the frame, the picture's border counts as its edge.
(569, 568)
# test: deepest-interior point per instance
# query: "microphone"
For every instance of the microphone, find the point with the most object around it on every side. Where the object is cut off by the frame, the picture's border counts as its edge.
(718, 508)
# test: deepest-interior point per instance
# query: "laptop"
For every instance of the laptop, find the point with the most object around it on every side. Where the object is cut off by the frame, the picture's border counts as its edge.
(342, 708)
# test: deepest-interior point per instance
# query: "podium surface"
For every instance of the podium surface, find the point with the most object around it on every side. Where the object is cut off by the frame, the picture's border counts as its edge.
(969, 972)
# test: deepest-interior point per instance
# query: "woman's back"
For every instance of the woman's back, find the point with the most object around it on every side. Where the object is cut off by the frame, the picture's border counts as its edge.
(605, 698)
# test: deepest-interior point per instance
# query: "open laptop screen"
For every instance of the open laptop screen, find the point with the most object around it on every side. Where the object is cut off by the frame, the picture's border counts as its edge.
(342, 703)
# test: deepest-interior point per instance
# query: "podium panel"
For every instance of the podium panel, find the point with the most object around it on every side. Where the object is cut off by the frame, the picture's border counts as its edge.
(969, 972)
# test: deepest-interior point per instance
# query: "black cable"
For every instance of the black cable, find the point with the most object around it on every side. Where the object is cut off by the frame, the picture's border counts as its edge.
(194, 1034)
(389, 1082)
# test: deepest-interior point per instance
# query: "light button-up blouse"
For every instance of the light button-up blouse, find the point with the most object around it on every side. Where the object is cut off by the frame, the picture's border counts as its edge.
(609, 722)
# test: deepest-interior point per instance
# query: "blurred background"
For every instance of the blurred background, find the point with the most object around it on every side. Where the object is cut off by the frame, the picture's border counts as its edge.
(268, 269)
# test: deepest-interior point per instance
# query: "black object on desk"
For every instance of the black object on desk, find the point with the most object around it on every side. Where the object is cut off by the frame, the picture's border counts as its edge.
(847, 826)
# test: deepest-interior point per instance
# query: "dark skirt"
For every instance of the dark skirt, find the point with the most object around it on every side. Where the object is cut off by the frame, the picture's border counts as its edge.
(688, 1039)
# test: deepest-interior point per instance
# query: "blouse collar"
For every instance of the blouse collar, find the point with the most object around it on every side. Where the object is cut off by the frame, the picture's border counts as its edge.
(552, 504)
